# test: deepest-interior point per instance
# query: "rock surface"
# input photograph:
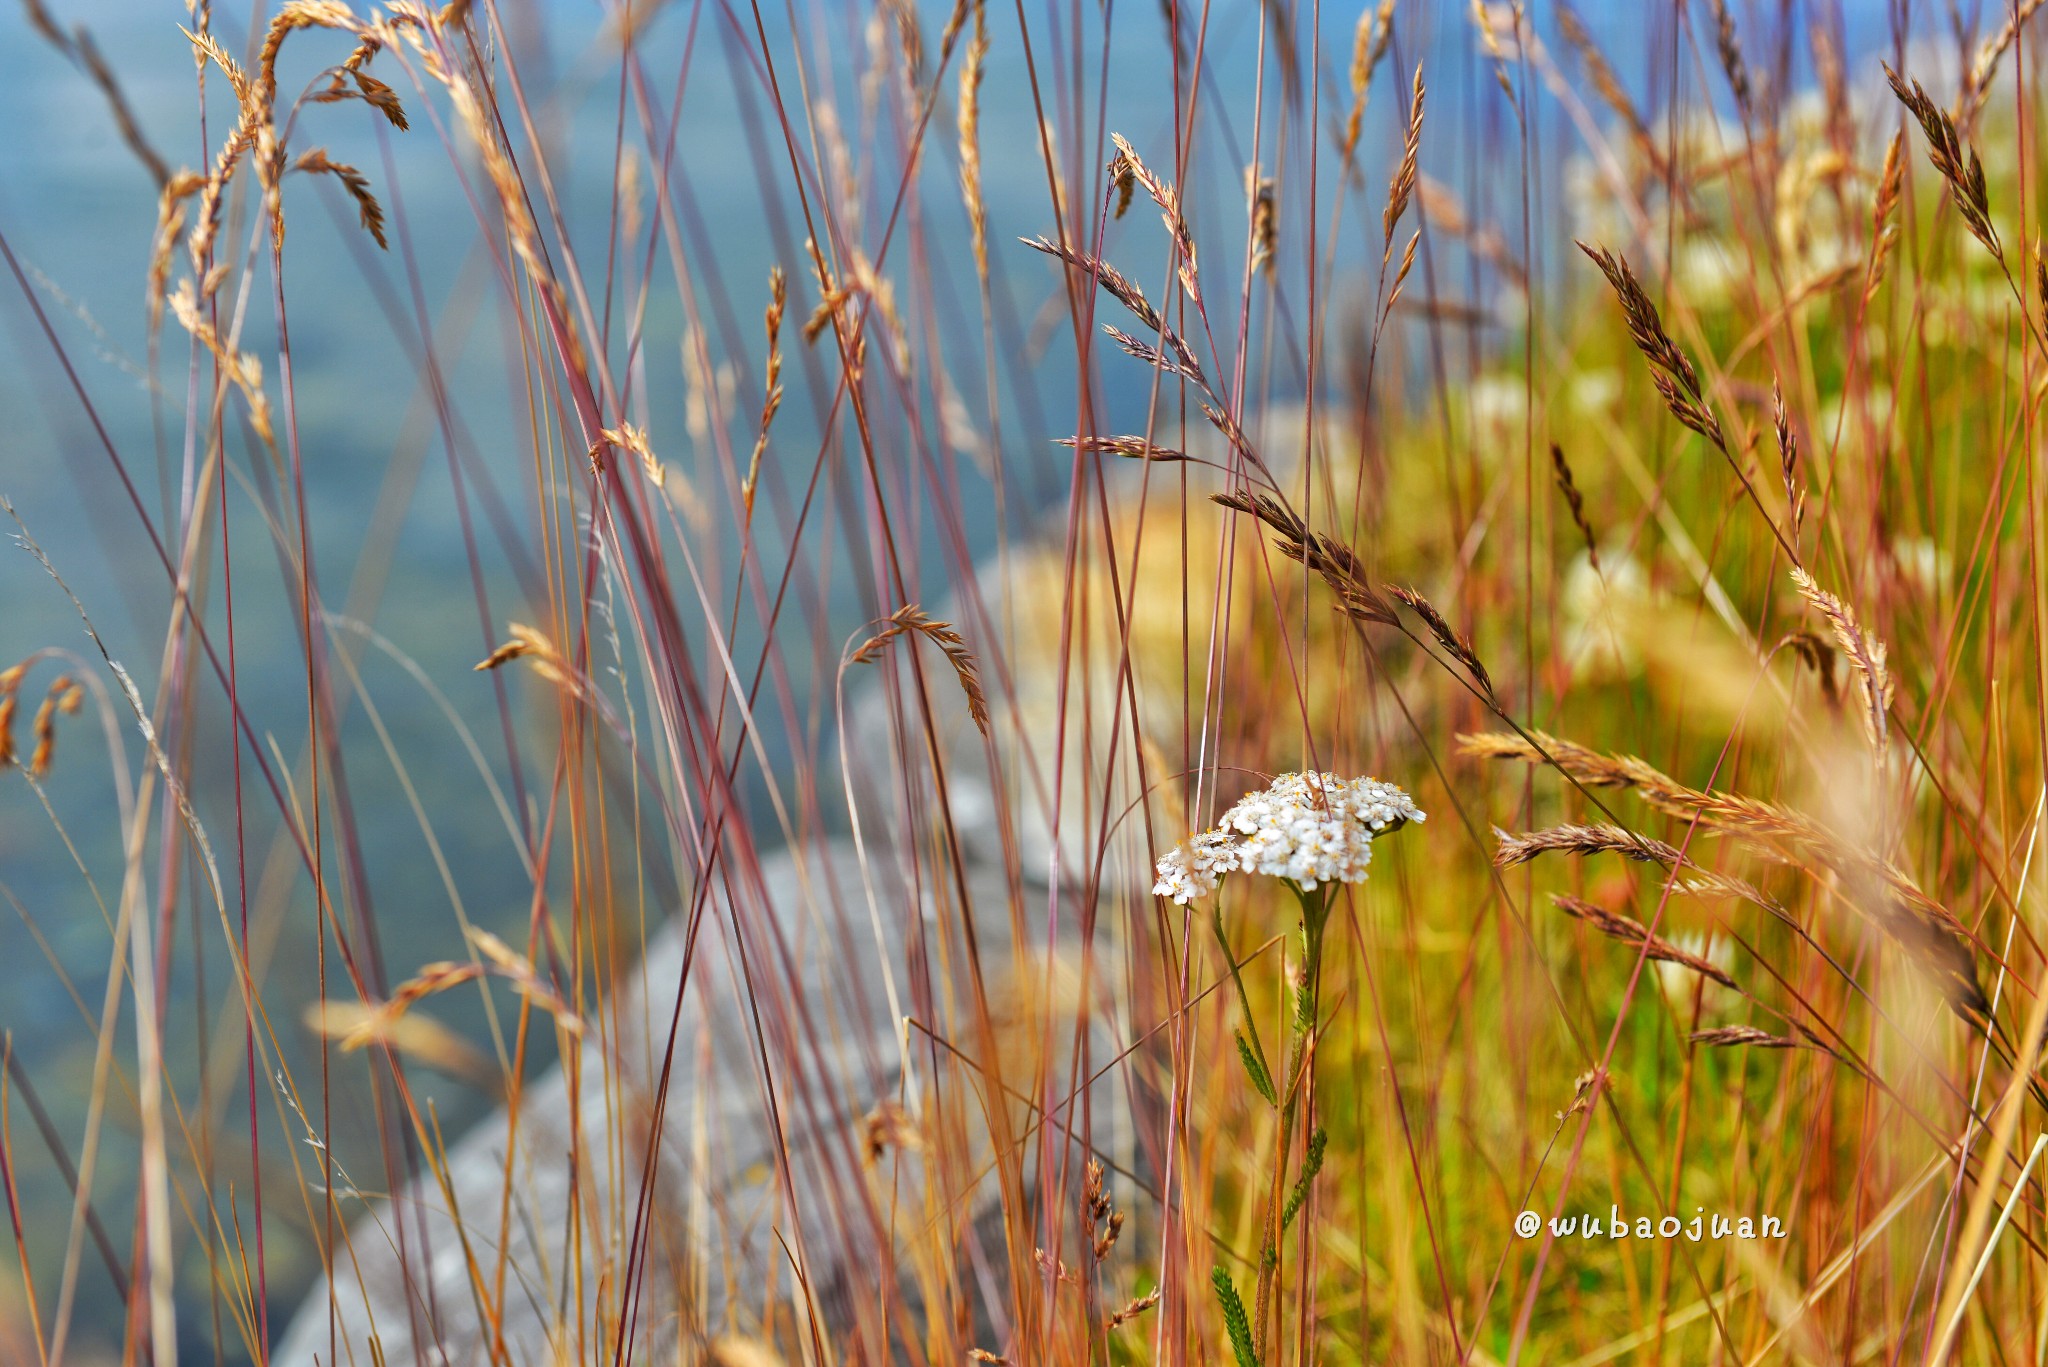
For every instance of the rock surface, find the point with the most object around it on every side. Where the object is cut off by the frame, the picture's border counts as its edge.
(814, 1016)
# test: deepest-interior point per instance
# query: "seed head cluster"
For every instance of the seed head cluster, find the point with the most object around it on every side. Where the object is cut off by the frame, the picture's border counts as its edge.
(1307, 828)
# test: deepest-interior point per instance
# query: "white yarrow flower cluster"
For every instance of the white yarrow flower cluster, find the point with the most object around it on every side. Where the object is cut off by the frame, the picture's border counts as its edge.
(1310, 829)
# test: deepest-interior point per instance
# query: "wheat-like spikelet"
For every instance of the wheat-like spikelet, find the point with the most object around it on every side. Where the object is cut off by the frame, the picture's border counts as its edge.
(1928, 931)
(771, 389)
(1265, 220)
(1953, 160)
(1357, 598)
(1891, 183)
(374, 1024)
(1168, 200)
(910, 619)
(1130, 447)
(969, 127)
(1865, 653)
(10, 704)
(1561, 471)
(1788, 460)
(518, 970)
(316, 161)
(1133, 1309)
(1629, 931)
(1607, 85)
(1732, 66)
(1454, 642)
(1176, 364)
(242, 368)
(630, 438)
(1671, 369)
(1401, 188)
(170, 223)
(1577, 839)
(1489, 39)
(1977, 79)
(63, 696)
(1368, 47)
(1732, 1036)
(533, 645)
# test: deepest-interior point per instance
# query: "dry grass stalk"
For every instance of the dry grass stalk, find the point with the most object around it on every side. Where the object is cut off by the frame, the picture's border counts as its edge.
(170, 223)
(778, 301)
(971, 70)
(1740, 1036)
(532, 644)
(1168, 200)
(1114, 282)
(10, 703)
(630, 438)
(1788, 461)
(1489, 38)
(65, 696)
(1561, 471)
(1124, 181)
(888, 1126)
(1818, 656)
(1601, 838)
(1629, 931)
(1125, 291)
(1731, 1035)
(1953, 160)
(1607, 85)
(1452, 640)
(1368, 48)
(78, 45)
(1865, 652)
(910, 619)
(376, 1023)
(1326, 557)
(1401, 188)
(1891, 183)
(1926, 930)
(518, 970)
(1134, 1309)
(1977, 79)
(1729, 50)
(355, 182)
(1130, 447)
(1671, 368)
(1177, 364)
(242, 368)
(1265, 221)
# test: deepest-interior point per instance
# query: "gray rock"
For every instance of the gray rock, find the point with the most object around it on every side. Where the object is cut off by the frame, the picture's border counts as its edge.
(788, 983)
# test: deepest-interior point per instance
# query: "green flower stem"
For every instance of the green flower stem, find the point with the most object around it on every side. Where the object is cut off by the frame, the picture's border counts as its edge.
(1299, 1080)
(1244, 1001)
